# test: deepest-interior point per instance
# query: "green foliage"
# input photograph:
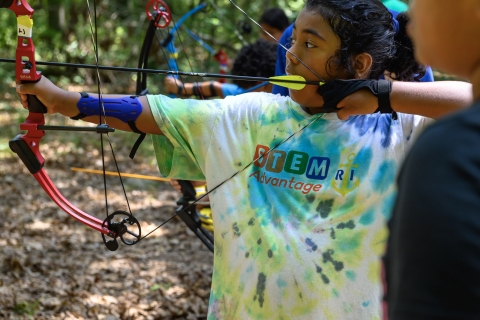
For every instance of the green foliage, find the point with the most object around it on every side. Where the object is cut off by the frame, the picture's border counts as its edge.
(62, 32)
(164, 286)
(26, 308)
(441, 76)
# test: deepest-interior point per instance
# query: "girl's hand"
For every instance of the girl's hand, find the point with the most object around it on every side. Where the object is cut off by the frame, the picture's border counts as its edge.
(49, 94)
(354, 97)
(172, 85)
(360, 102)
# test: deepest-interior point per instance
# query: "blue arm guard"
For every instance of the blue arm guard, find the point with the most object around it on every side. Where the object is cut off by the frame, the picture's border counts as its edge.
(126, 109)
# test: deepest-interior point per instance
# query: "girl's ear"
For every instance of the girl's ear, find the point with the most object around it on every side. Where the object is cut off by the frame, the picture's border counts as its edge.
(363, 63)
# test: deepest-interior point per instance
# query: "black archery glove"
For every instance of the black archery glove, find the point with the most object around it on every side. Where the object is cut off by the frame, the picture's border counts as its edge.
(336, 90)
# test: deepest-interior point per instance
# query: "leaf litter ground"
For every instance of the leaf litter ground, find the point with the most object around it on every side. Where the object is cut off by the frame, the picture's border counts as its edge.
(52, 267)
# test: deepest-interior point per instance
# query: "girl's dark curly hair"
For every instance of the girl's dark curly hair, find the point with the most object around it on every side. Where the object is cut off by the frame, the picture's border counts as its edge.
(257, 60)
(366, 26)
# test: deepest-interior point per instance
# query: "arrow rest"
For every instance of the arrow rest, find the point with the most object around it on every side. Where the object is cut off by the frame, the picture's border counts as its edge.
(120, 229)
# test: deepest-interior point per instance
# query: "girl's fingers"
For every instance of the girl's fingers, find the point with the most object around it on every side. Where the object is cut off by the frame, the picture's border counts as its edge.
(345, 112)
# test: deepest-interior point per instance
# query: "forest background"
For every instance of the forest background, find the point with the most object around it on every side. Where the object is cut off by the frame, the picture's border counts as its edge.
(62, 33)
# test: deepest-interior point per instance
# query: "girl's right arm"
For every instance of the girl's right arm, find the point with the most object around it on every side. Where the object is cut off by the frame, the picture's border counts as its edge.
(57, 100)
(428, 99)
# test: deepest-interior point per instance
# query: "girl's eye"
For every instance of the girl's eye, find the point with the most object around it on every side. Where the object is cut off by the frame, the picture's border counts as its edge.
(309, 45)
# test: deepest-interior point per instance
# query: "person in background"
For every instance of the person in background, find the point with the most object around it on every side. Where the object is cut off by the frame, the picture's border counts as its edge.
(274, 21)
(432, 261)
(257, 59)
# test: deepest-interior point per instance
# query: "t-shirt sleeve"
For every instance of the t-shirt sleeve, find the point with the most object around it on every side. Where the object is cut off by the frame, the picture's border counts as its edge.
(413, 126)
(187, 125)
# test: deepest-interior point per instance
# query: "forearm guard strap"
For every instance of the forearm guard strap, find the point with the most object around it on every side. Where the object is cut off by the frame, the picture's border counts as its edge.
(126, 109)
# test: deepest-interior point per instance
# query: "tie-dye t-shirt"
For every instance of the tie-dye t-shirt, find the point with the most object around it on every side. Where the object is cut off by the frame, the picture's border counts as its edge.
(299, 233)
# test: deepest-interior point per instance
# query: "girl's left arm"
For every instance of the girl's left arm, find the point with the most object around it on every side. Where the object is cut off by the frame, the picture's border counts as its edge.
(57, 100)
(430, 99)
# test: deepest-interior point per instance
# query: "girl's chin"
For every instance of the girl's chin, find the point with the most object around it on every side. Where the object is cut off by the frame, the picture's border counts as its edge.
(297, 96)
(304, 99)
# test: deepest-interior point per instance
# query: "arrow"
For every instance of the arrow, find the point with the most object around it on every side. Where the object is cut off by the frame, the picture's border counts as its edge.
(124, 175)
(294, 82)
(131, 175)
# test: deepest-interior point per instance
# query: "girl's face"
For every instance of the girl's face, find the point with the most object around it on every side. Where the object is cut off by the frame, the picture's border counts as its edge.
(313, 42)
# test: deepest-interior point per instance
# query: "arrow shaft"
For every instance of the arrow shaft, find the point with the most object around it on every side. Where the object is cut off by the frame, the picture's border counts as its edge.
(124, 175)
(167, 72)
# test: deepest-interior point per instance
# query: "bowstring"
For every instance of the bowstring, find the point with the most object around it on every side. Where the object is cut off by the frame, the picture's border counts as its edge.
(188, 59)
(262, 155)
(238, 172)
(94, 35)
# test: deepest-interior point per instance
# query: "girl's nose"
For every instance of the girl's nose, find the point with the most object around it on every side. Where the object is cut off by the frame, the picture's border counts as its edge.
(290, 55)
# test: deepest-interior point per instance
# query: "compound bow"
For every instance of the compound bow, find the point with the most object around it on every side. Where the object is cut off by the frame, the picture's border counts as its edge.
(27, 146)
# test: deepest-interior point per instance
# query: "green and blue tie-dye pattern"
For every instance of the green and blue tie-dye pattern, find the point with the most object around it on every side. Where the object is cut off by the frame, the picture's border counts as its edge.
(298, 234)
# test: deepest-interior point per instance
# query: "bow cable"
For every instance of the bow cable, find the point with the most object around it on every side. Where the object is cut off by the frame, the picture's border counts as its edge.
(193, 203)
(102, 114)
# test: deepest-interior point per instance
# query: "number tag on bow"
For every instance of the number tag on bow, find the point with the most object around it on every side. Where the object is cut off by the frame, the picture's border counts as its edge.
(25, 26)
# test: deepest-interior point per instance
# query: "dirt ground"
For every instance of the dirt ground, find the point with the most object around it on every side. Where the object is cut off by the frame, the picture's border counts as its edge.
(53, 267)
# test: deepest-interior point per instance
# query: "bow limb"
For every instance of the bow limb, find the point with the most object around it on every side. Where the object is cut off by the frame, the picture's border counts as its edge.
(186, 210)
(27, 146)
(220, 56)
(160, 17)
